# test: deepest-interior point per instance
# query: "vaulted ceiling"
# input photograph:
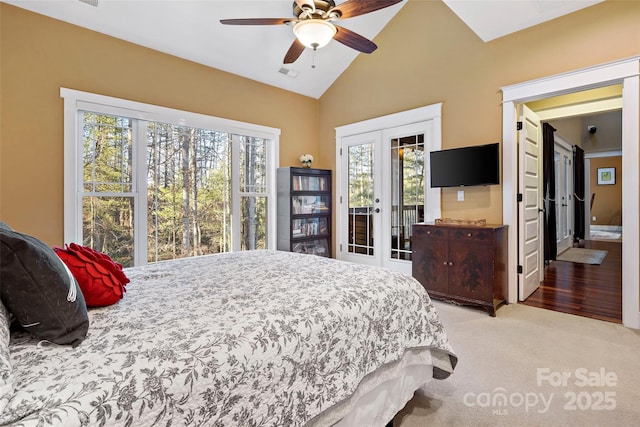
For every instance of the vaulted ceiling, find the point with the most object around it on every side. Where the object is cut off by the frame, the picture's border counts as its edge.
(191, 29)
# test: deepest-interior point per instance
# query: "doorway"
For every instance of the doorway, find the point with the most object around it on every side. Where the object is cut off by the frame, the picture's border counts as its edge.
(576, 287)
(625, 72)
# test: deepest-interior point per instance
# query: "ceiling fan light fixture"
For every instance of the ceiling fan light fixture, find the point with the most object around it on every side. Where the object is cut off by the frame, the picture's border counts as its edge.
(314, 33)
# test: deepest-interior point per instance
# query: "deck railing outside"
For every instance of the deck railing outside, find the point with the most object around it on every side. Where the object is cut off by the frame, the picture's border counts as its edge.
(361, 231)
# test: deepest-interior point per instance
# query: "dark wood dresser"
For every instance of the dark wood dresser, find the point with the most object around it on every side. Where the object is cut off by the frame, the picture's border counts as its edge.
(462, 264)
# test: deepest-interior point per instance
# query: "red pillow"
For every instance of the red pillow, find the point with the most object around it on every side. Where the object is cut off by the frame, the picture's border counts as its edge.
(100, 278)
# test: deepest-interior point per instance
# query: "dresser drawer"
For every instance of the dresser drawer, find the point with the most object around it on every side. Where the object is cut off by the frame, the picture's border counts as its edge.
(471, 234)
(430, 233)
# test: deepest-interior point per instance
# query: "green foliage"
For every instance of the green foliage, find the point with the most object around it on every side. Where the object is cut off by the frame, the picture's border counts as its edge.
(189, 194)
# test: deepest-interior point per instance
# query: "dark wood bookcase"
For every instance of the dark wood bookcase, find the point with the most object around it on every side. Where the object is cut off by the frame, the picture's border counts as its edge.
(304, 210)
(463, 265)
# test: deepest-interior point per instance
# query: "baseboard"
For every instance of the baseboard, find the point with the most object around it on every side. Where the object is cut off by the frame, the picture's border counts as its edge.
(615, 228)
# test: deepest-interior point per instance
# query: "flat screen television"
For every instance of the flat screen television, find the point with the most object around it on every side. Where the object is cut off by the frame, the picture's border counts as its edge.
(466, 166)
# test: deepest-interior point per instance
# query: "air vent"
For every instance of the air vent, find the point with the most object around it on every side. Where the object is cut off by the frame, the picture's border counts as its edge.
(288, 72)
(90, 2)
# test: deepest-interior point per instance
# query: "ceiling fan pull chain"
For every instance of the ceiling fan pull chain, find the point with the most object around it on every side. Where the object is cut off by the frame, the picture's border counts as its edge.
(313, 59)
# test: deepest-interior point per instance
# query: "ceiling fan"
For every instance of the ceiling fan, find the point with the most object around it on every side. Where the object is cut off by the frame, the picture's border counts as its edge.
(313, 24)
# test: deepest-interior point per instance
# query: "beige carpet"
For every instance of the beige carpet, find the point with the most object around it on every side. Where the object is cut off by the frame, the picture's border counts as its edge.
(520, 354)
(582, 255)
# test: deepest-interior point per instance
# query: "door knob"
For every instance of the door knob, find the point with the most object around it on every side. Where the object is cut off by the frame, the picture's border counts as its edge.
(377, 210)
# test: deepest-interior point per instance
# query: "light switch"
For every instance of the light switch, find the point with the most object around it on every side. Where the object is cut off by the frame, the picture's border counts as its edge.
(461, 195)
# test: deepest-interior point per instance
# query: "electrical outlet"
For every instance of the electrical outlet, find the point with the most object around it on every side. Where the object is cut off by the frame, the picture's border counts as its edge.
(593, 218)
(461, 195)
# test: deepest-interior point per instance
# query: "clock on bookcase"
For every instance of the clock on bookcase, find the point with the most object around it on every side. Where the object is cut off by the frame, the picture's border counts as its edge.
(304, 210)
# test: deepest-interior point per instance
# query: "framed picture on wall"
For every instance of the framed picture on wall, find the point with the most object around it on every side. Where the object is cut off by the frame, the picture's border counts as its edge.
(606, 176)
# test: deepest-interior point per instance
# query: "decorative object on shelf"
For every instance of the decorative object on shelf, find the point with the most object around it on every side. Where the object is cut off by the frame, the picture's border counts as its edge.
(306, 160)
(467, 222)
(606, 176)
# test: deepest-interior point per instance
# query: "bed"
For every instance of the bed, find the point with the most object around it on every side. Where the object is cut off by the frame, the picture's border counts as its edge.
(254, 338)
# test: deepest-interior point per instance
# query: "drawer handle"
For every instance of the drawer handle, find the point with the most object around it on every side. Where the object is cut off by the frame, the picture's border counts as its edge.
(450, 262)
(445, 262)
(469, 235)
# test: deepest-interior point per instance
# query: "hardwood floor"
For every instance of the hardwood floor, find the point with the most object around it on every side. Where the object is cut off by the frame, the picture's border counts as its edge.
(586, 290)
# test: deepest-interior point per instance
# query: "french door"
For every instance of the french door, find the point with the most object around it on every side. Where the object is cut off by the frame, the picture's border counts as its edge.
(383, 193)
(360, 203)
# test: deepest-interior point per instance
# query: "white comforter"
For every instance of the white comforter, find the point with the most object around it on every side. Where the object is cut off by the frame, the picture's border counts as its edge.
(258, 338)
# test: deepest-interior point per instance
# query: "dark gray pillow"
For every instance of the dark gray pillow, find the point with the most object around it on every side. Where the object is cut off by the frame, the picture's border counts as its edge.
(40, 291)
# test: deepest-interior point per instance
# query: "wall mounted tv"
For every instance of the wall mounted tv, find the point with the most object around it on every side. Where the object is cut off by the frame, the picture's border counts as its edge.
(466, 166)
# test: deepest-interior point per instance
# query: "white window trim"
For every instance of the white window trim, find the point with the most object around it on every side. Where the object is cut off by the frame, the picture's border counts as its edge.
(75, 101)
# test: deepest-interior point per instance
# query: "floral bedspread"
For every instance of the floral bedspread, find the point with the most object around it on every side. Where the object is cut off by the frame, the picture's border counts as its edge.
(257, 338)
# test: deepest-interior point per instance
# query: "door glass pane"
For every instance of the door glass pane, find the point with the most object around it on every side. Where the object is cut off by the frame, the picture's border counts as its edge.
(309, 183)
(305, 205)
(407, 192)
(360, 199)
(309, 227)
(315, 247)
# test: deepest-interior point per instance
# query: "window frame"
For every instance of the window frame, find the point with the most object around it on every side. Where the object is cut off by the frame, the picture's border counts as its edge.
(75, 102)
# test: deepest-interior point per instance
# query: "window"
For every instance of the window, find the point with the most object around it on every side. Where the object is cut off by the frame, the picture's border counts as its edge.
(146, 183)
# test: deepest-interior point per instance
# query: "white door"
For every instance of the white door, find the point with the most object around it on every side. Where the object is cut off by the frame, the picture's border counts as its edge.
(530, 255)
(360, 201)
(405, 181)
(563, 160)
(383, 194)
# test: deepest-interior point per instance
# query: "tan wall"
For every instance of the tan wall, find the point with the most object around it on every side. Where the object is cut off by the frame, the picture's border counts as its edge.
(427, 55)
(607, 204)
(39, 55)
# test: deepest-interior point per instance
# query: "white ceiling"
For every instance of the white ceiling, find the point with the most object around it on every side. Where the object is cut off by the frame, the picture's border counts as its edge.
(491, 19)
(190, 29)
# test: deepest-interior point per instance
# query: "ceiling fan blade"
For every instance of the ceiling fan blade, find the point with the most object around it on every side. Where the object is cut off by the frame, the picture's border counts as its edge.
(354, 40)
(351, 8)
(294, 52)
(256, 21)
